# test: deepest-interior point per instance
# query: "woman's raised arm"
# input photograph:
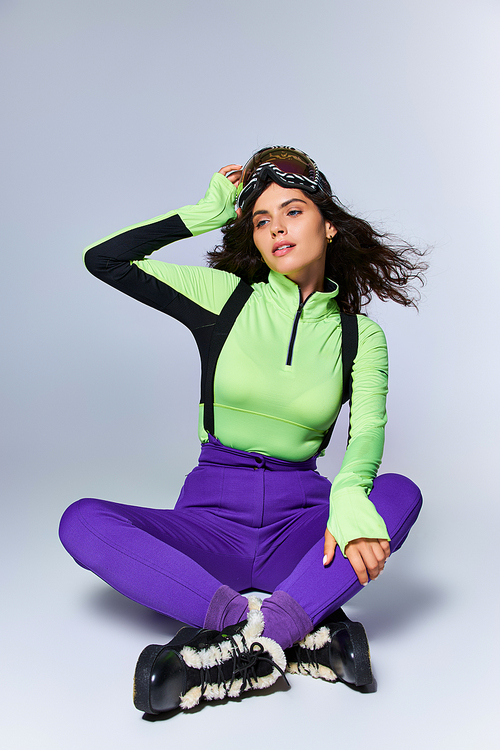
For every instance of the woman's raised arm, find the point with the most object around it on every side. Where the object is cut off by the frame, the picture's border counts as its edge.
(121, 261)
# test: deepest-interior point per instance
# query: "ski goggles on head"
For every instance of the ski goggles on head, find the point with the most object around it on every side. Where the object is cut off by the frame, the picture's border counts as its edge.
(287, 166)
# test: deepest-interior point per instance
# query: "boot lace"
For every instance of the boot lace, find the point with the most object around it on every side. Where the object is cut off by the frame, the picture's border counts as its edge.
(244, 665)
(307, 658)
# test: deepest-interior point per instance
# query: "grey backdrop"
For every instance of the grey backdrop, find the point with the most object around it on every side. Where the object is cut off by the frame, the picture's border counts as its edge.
(114, 111)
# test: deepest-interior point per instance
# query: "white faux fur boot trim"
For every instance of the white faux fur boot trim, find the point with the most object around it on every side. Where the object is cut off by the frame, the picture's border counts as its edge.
(217, 653)
(316, 639)
(276, 652)
(254, 624)
(321, 672)
(191, 698)
(222, 652)
(254, 603)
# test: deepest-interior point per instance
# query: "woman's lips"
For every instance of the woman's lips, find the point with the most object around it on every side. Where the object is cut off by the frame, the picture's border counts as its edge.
(283, 249)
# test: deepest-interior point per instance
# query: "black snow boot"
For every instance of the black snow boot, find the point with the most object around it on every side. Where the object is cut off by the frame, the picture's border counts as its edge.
(337, 649)
(199, 664)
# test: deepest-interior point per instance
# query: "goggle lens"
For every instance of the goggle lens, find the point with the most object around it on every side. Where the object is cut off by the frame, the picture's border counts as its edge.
(287, 160)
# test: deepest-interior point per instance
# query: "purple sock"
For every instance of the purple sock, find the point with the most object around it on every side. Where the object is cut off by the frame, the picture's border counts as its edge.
(226, 607)
(284, 620)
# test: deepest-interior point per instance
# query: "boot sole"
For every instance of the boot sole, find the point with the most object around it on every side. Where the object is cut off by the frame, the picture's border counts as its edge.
(360, 655)
(142, 678)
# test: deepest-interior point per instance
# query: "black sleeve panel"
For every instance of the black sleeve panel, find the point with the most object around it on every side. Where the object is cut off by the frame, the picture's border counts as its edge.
(110, 261)
(136, 243)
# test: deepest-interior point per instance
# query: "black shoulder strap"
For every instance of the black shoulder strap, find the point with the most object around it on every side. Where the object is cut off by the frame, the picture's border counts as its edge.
(349, 325)
(221, 331)
(349, 351)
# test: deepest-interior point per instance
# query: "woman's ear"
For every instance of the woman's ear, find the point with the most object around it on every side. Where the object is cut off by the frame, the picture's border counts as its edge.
(331, 231)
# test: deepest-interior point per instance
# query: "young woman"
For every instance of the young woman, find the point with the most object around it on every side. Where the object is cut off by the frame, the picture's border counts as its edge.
(282, 343)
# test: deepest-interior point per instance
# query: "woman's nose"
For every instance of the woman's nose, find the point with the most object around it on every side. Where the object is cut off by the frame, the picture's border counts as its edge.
(276, 229)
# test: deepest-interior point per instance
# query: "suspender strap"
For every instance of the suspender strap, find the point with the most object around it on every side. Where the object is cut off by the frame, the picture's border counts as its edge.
(221, 331)
(349, 350)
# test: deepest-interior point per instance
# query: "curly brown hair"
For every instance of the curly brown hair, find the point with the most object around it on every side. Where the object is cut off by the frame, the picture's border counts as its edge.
(362, 260)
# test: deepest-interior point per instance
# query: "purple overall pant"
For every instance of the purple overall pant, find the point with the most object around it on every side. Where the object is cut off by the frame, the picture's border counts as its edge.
(243, 520)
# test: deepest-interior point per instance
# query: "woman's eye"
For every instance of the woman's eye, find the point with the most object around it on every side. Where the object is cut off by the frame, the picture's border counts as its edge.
(294, 212)
(260, 223)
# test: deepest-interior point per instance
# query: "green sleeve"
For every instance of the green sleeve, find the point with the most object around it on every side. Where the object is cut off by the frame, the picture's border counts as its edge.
(352, 514)
(214, 210)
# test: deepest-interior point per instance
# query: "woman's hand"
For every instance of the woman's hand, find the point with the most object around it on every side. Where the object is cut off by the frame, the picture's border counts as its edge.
(232, 172)
(367, 556)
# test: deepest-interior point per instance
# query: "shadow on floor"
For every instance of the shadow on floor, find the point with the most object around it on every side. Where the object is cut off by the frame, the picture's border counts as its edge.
(279, 686)
(111, 604)
(396, 602)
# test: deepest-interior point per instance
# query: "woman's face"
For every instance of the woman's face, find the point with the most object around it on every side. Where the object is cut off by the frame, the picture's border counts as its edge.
(291, 234)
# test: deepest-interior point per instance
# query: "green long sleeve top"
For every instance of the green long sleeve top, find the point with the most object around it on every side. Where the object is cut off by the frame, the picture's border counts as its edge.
(273, 393)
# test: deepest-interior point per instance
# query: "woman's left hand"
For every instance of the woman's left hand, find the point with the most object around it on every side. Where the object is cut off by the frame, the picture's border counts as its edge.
(233, 172)
(367, 556)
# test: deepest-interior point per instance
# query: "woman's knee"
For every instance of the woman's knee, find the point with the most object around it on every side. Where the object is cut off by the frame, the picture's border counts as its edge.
(399, 491)
(74, 524)
(398, 500)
